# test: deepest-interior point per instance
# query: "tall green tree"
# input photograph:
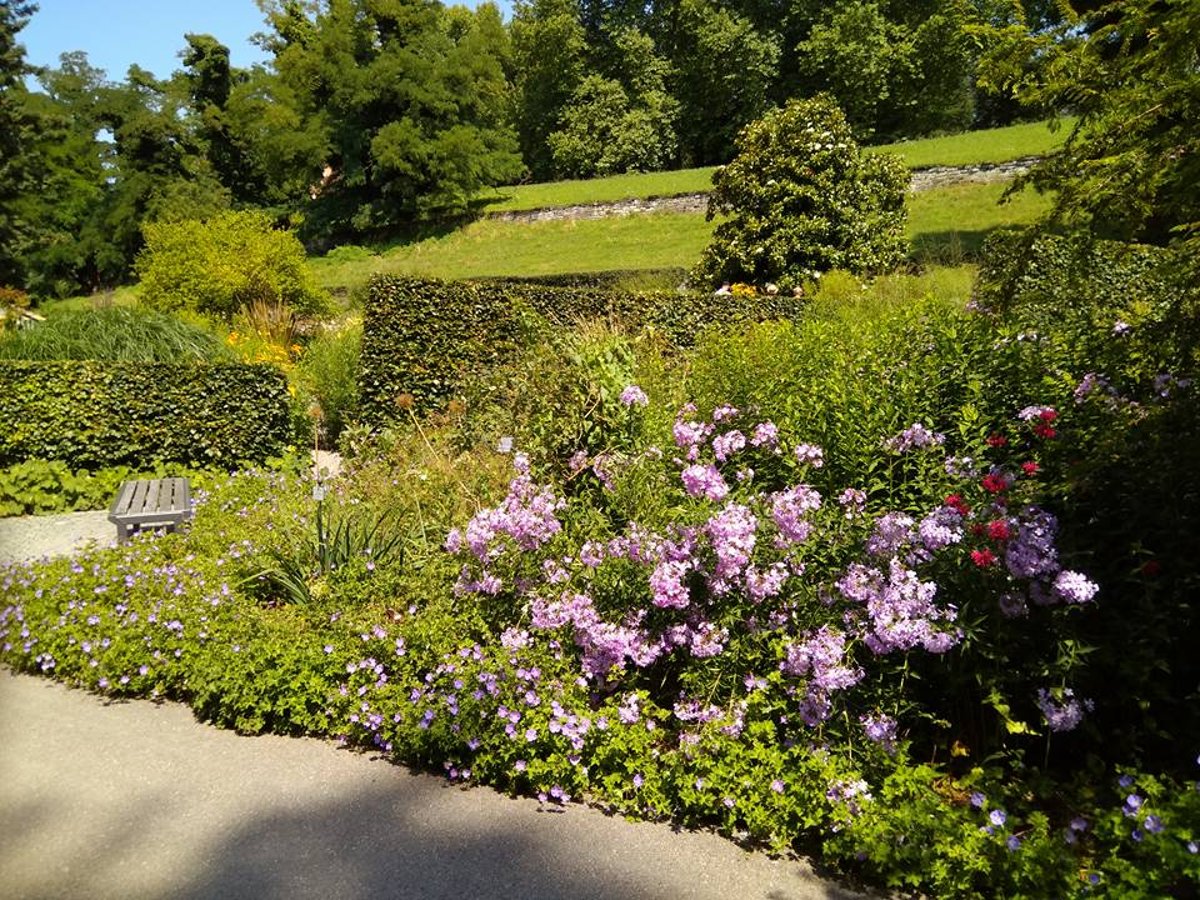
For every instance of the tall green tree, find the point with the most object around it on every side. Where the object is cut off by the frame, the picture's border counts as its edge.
(413, 112)
(723, 73)
(549, 46)
(1130, 71)
(619, 122)
(18, 124)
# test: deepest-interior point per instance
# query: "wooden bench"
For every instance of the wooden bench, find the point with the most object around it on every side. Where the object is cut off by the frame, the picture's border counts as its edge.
(151, 503)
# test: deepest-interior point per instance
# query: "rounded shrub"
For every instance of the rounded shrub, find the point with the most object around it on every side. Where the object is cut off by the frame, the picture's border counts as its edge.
(224, 264)
(801, 199)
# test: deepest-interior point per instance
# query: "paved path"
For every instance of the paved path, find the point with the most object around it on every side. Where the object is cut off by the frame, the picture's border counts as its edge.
(130, 800)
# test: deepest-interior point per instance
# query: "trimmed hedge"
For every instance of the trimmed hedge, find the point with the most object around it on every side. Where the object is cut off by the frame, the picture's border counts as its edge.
(420, 336)
(607, 280)
(94, 414)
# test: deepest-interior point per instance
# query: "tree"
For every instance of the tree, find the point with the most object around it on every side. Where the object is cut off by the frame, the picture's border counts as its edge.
(1130, 71)
(723, 71)
(412, 111)
(18, 124)
(549, 46)
(802, 199)
(621, 123)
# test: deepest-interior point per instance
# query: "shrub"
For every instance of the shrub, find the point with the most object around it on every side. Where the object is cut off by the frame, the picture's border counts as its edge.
(328, 374)
(13, 301)
(801, 199)
(127, 334)
(224, 264)
(421, 337)
(93, 414)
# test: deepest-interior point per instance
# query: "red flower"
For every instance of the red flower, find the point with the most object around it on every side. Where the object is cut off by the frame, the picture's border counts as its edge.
(983, 558)
(1042, 430)
(996, 440)
(978, 529)
(1151, 568)
(1030, 468)
(1048, 415)
(957, 504)
(994, 484)
(998, 530)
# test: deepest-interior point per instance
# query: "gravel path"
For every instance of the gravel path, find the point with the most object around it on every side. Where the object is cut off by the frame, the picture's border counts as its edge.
(136, 799)
(32, 537)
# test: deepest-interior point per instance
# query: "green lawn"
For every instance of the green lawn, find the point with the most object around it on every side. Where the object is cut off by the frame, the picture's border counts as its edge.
(988, 146)
(945, 225)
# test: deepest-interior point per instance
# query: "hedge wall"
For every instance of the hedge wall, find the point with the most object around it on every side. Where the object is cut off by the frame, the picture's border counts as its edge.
(420, 337)
(96, 414)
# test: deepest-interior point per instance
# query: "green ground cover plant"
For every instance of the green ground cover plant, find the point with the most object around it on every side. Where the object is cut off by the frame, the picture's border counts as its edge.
(993, 145)
(822, 584)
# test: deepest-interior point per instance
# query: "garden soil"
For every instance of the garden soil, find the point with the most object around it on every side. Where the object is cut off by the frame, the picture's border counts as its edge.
(137, 799)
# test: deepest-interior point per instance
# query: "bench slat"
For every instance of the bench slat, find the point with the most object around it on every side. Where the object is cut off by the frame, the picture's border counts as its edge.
(160, 502)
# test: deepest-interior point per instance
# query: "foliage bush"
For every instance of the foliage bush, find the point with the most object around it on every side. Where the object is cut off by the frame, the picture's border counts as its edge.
(224, 264)
(327, 373)
(127, 334)
(801, 199)
(97, 414)
(13, 301)
(420, 338)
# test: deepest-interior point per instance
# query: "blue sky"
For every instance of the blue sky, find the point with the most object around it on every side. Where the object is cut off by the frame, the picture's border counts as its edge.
(117, 33)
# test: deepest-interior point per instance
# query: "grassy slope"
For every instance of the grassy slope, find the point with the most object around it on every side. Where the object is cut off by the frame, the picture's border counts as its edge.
(988, 146)
(943, 225)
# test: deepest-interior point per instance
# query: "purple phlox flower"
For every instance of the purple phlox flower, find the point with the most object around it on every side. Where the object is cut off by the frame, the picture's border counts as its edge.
(704, 481)
(668, 585)
(638, 781)
(789, 509)
(727, 444)
(891, 532)
(1074, 587)
(880, 729)
(810, 455)
(528, 515)
(764, 583)
(961, 467)
(821, 656)
(1165, 384)
(1013, 605)
(940, 528)
(1062, 710)
(690, 434)
(724, 412)
(1121, 327)
(504, 445)
(860, 583)
(853, 501)
(577, 462)
(1031, 552)
(634, 396)
(765, 434)
(903, 615)
(601, 469)
(915, 437)
(628, 712)
(850, 793)
(754, 683)
(1089, 384)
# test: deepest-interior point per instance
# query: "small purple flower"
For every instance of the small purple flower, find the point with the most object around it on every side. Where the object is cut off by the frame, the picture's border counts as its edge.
(766, 434)
(1121, 328)
(634, 396)
(915, 437)
(997, 817)
(978, 800)
(810, 454)
(1132, 804)
(638, 781)
(1153, 824)
(504, 445)
(777, 786)
(1013, 843)
(704, 481)
(1074, 587)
